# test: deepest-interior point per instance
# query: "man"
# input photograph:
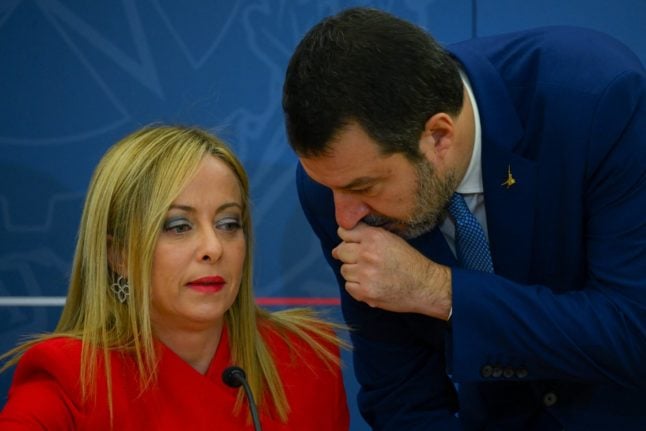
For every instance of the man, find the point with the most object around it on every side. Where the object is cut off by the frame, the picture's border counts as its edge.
(542, 133)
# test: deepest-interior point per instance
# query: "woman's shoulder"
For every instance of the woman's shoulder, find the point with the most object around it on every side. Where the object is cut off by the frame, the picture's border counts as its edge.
(52, 362)
(56, 355)
(307, 341)
(308, 361)
(61, 358)
(44, 389)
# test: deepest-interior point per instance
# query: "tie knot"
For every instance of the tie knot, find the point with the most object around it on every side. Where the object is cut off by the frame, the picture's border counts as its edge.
(458, 208)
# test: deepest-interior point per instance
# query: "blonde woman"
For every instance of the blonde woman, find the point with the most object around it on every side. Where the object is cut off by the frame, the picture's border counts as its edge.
(160, 303)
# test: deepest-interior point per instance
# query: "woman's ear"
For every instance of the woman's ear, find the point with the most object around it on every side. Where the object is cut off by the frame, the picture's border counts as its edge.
(116, 259)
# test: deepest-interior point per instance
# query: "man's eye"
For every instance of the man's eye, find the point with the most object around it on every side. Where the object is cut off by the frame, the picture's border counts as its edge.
(362, 190)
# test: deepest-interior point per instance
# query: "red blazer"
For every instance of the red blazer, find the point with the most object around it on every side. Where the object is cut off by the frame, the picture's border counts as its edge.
(45, 392)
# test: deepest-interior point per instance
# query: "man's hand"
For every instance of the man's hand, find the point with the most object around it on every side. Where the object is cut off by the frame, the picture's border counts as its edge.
(384, 271)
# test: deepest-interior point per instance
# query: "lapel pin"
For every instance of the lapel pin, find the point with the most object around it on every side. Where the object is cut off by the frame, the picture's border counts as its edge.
(510, 181)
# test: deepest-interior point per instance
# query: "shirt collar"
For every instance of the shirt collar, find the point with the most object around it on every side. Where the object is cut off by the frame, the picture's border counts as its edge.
(472, 181)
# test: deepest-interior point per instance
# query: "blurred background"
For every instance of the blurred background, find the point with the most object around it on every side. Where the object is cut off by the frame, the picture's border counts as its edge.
(76, 76)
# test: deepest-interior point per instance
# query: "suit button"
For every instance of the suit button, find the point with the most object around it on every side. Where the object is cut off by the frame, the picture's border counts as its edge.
(497, 372)
(508, 373)
(521, 373)
(486, 371)
(549, 399)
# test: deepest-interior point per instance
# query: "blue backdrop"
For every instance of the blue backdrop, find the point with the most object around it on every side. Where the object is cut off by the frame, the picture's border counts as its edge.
(76, 76)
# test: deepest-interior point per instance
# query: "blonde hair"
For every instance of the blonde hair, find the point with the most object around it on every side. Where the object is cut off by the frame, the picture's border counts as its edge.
(130, 192)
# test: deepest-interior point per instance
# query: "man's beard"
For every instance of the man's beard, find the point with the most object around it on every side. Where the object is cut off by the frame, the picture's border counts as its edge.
(431, 198)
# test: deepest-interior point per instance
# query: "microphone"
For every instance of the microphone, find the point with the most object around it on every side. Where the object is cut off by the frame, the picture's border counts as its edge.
(235, 377)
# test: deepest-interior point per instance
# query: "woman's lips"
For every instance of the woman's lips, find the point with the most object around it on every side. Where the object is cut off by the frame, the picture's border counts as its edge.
(207, 284)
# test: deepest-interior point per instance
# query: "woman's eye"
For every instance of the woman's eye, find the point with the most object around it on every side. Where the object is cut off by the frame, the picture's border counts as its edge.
(228, 224)
(177, 226)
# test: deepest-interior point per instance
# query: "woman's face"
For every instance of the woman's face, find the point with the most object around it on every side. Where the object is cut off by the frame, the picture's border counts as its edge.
(199, 256)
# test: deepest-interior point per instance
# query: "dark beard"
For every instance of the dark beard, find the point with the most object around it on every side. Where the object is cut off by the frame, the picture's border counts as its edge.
(431, 198)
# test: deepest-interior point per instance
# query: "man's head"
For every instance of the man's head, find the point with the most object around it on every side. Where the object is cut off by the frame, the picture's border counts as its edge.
(367, 67)
(374, 110)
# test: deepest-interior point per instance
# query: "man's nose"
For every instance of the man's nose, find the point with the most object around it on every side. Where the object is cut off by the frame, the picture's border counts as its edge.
(349, 210)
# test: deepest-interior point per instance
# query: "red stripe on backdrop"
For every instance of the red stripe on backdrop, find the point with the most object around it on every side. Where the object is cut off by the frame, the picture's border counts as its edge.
(298, 301)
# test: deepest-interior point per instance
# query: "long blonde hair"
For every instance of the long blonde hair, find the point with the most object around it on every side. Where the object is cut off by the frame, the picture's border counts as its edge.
(129, 195)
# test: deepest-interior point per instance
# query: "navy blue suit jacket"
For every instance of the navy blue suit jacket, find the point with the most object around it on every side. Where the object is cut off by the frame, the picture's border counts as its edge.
(556, 338)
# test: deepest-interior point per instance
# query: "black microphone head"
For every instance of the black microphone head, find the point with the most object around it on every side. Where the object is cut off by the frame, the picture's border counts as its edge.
(233, 376)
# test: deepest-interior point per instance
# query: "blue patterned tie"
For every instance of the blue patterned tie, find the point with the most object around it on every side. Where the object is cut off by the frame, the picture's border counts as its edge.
(471, 244)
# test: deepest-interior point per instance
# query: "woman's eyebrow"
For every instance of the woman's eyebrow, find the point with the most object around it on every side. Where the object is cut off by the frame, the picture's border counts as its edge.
(189, 208)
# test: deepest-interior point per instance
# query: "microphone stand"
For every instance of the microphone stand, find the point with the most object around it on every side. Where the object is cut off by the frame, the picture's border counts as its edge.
(235, 377)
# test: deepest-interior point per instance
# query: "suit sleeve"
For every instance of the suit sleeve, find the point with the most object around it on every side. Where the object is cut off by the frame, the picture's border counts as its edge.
(398, 359)
(593, 328)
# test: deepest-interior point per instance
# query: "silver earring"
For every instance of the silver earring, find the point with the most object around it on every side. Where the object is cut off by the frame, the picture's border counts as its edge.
(121, 289)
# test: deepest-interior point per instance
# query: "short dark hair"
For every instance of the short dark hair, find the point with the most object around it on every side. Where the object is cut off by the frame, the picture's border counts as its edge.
(366, 66)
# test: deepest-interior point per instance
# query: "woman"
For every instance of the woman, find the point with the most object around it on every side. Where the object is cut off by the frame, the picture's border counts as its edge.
(160, 304)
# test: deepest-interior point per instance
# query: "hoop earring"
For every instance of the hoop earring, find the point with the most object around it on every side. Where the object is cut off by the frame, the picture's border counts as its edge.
(121, 289)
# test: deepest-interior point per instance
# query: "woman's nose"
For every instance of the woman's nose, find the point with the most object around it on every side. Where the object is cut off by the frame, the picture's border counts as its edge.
(210, 246)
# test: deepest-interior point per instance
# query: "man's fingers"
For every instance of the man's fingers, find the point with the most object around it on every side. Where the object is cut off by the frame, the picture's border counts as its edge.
(354, 289)
(353, 235)
(348, 272)
(359, 293)
(346, 252)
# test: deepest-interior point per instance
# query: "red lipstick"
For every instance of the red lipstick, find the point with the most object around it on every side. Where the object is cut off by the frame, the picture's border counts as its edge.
(208, 284)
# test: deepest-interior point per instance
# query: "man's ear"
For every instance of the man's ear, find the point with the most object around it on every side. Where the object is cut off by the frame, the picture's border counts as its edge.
(437, 137)
(117, 259)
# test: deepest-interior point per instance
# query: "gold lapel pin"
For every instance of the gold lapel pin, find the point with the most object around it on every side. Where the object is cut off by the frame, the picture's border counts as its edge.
(510, 181)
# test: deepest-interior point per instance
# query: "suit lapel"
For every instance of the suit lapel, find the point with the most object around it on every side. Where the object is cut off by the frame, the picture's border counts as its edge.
(510, 210)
